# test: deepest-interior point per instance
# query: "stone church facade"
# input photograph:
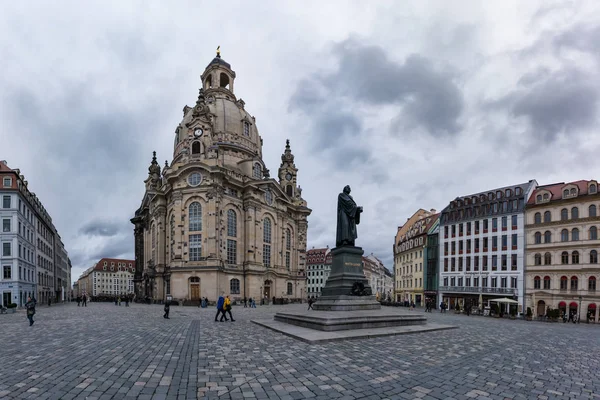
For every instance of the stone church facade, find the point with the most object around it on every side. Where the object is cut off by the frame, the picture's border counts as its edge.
(213, 221)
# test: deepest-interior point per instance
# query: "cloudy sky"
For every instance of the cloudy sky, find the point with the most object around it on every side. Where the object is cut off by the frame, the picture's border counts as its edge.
(411, 103)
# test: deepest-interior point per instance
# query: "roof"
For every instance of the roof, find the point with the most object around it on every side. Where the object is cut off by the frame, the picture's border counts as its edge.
(114, 262)
(556, 190)
(219, 61)
(318, 256)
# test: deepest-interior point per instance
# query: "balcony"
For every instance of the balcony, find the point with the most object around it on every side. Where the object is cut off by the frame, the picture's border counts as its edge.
(468, 289)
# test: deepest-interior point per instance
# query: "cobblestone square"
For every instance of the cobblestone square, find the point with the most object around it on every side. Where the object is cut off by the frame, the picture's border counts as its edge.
(108, 352)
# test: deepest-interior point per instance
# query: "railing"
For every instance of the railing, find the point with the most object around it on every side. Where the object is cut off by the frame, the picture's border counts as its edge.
(469, 289)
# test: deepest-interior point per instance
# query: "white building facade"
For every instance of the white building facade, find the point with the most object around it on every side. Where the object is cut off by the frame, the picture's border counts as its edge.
(482, 247)
(318, 267)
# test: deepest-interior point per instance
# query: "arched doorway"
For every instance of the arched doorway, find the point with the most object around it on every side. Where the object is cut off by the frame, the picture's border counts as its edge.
(541, 308)
(562, 306)
(267, 289)
(572, 309)
(195, 288)
(591, 312)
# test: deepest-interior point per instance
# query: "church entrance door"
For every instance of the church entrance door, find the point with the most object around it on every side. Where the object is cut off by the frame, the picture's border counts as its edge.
(267, 292)
(195, 288)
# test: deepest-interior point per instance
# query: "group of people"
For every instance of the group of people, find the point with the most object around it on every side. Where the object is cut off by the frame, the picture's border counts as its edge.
(81, 299)
(224, 306)
(118, 301)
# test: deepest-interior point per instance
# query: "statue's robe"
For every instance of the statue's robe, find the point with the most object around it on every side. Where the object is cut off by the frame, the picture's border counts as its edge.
(348, 216)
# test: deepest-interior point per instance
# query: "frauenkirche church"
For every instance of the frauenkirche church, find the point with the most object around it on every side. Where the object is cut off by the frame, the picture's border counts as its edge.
(213, 221)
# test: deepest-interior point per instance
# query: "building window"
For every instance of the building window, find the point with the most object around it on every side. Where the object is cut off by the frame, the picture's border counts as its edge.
(564, 257)
(6, 225)
(564, 282)
(537, 259)
(7, 272)
(494, 263)
(593, 257)
(574, 213)
(504, 262)
(547, 282)
(195, 178)
(269, 197)
(231, 223)
(592, 283)
(547, 259)
(6, 249)
(564, 214)
(234, 286)
(494, 224)
(593, 188)
(593, 233)
(7, 182)
(257, 171)
(564, 235)
(287, 260)
(575, 234)
(504, 223)
(592, 211)
(267, 242)
(195, 247)
(537, 283)
(195, 215)
(575, 257)
(513, 262)
(246, 128)
(290, 288)
(5, 201)
(445, 265)
(573, 283)
(547, 237)
(547, 216)
(231, 251)
(537, 219)
(513, 240)
(537, 238)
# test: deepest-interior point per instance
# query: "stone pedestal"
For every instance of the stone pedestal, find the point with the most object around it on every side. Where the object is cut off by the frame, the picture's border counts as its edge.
(346, 277)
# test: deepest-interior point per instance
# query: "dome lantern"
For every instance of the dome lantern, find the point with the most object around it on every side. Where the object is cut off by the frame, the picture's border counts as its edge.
(218, 74)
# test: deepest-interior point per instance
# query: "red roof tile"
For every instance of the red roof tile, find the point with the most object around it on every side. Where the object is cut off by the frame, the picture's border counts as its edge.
(556, 190)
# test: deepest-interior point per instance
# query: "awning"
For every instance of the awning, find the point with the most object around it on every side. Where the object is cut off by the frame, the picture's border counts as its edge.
(504, 300)
(562, 304)
(592, 306)
(573, 305)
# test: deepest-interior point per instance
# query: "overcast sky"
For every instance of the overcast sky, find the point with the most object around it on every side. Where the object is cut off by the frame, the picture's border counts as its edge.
(410, 103)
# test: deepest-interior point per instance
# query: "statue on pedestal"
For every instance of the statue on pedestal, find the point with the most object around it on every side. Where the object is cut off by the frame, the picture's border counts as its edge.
(348, 216)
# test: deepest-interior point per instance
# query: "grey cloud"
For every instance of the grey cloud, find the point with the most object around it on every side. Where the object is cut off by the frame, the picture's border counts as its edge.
(583, 38)
(115, 247)
(563, 102)
(102, 228)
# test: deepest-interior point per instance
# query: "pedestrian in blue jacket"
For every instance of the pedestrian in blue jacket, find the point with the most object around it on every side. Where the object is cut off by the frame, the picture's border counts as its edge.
(220, 310)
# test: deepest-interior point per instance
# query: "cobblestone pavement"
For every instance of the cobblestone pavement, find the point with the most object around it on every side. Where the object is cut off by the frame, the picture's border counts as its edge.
(109, 352)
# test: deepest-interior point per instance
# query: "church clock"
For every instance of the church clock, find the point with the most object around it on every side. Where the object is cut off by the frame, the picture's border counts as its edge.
(288, 176)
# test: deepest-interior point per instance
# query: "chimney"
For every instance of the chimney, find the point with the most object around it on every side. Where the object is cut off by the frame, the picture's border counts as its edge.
(4, 162)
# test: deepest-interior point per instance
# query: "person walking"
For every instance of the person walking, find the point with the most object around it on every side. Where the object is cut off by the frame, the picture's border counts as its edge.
(126, 301)
(310, 303)
(78, 301)
(167, 309)
(220, 311)
(245, 302)
(30, 305)
(84, 301)
(253, 303)
(227, 309)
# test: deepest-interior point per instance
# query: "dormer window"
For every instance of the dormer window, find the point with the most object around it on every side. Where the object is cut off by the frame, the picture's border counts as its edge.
(498, 194)
(546, 196)
(573, 191)
(538, 198)
(593, 188)
(518, 191)
(508, 192)
(7, 182)
(246, 128)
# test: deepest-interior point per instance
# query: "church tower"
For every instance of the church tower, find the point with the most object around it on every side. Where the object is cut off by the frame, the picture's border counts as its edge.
(288, 172)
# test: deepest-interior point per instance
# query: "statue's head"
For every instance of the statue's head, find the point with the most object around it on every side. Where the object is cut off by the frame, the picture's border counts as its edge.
(347, 189)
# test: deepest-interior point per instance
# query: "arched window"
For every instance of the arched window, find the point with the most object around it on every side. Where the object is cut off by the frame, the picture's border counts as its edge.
(547, 259)
(564, 283)
(246, 128)
(574, 213)
(547, 237)
(575, 234)
(593, 188)
(288, 190)
(194, 279)
(538, 198)
(172, 234)
(575, 257)
(537, 259)
(537, 283)
(592, 283)
(290, 289)
(224, 80)
(267, 242)
(566, 193)
(257, 171)
(564, 214)
(537, 218)
(234, 286)
(593, 257)
(564, 235)
(564, 257)
(593, 233)
(546, 196)
(195, 217)
(538, 238)
(547, 216)
(196, 148)
(547, 282)
(288, 239)
(592, 210)
(573, 191)
(231, 223)
(209, 82)
(574, 282)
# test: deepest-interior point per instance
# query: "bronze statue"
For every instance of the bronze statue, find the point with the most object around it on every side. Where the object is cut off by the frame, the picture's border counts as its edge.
(348, 216)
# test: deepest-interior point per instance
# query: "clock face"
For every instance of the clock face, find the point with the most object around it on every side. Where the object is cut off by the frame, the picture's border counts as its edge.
(198, 132)
(288, 176)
